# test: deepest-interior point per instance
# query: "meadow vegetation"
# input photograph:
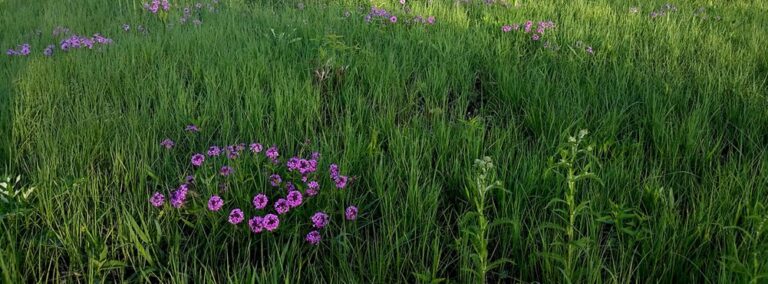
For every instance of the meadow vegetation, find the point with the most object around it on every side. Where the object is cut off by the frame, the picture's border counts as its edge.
(483, 141)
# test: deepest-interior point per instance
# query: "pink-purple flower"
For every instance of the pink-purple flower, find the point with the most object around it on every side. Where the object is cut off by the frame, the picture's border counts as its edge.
(260, 201)
(256, 148)
(506, 28)
(320, 220)
(215, 203)
(157, 199)
(313, 188)
(192, 128)
(272, 153)
(179, 196)
(48, 51)
(334, 171)
(197, 160)
(275, 180)
(271, 222)
(256, 224)
(294, 198)
(351, 212)
(236, 216)
(167, 143)
(226, 171)
(313, 238)
(341, 182)
(282, 206)
(214, 151)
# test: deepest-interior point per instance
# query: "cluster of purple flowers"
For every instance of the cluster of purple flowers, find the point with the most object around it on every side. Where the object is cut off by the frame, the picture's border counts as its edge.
(338, 179)
(421, 20)
(187, 13)
(380, 13)
(666, 8)
(179, 196)
(536, 31)
(21, 50)
(156, 5)
(299, 178)
(76, 41)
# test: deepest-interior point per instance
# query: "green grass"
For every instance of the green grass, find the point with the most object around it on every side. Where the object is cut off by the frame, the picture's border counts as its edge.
(677, 109)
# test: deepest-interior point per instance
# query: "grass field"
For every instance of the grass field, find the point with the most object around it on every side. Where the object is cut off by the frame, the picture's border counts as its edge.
(670, 184)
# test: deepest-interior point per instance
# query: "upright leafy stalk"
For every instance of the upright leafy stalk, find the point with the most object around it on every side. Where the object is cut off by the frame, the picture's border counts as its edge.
(576, 161)
(483, 180)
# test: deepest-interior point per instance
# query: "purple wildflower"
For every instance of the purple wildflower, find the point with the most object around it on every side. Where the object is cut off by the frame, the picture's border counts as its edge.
(402, 2)
(289, 187)
(589, 50)
(282, 206)
(198, 159)
(24, 49)
(167, 143)
(256, 148)
(179, 196)
(351, 212)
(260, 201)
(431, 20)
(49, 50)
(214, 151)
(271, 222)
(189, 179)
(312, 188)
(341, 182)
(294, 198)
(320, 220)
(275, 180)
(334, 169)
(506, 28)
(157, 199)
(236, 216)
(192, 128)
(232, 152)
(393, 19)
(256, 224)
(535, 37)
(225, 171)
(215, 203)
(313, 238)
(272, 153)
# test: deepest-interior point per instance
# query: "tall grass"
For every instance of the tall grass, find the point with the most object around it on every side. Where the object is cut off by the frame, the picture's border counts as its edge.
(676, 107)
